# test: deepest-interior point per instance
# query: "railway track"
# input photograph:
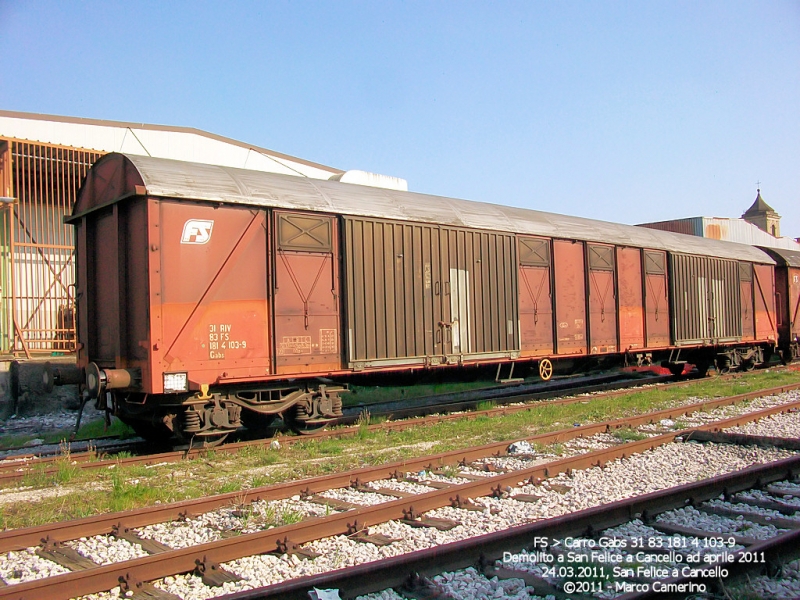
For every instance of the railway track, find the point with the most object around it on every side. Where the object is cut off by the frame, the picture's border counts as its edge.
(452, 480)
(698, 538)
(16, 468)
(439, 404)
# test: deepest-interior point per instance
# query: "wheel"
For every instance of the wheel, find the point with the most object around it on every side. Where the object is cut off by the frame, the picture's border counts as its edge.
(303, 426)
(208, 441)
(723, 366)
(258, 422)
(545, 369)
(152, 432)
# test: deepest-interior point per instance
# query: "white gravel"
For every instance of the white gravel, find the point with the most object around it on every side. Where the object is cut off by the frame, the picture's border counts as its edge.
(691, 517)
(356, 497)
(26, 565)
(787, 585)
(106, 549)
(664, 467)
(785, 425)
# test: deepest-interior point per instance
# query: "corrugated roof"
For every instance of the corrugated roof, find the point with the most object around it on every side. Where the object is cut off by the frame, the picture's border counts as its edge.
(182, 143)
(169, 178)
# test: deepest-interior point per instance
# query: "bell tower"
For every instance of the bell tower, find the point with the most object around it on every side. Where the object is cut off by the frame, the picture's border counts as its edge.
(763, 216)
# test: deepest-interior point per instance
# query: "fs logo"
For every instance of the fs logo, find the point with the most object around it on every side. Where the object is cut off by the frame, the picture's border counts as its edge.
(196, 231)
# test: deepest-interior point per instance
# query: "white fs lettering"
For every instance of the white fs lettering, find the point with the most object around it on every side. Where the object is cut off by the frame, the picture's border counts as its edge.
(196, 231)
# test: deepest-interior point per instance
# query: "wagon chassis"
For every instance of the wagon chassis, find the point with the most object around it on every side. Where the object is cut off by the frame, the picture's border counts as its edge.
(210, 415)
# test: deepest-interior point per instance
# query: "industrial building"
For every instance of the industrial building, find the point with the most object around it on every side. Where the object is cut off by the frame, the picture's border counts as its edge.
(43, 160)
(760, 225)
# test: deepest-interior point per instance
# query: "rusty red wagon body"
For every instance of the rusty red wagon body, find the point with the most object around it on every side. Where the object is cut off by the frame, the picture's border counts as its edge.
(210, 296)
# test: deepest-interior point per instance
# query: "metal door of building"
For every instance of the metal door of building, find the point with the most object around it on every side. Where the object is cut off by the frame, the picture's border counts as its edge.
(535, 297)
(602, 299)
(306, 293)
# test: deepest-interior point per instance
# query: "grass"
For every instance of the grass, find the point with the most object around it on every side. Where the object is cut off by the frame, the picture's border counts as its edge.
(122, 488)
(90, 430)
(628, 434)
(390, 393)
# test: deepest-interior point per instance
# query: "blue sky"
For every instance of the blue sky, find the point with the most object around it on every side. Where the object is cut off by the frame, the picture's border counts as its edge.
(623, 111)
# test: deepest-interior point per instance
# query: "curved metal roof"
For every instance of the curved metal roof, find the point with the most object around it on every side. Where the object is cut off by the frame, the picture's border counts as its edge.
(177, 179)
(784, 257)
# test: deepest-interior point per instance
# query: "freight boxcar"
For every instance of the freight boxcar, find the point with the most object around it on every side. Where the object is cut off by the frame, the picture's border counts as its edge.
(787, 297)
(209, 296)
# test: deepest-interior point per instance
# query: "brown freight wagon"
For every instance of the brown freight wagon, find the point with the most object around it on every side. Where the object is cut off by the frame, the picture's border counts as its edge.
(209, 297)
(787, 297)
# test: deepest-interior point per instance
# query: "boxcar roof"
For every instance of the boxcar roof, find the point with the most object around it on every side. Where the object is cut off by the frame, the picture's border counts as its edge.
(784, 257)
(185, 180)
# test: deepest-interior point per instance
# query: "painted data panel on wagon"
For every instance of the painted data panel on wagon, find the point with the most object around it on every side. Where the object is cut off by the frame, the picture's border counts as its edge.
(306, 293)
(213, 290)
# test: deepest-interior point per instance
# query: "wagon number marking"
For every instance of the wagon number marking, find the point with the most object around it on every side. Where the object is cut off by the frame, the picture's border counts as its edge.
(219, 339)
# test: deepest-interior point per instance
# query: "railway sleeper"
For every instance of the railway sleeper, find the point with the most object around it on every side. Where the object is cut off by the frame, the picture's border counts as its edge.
(133, 589)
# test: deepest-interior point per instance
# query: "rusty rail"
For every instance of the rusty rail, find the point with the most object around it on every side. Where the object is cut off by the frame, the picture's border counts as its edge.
(178, 561)
(375, 576)
(15, 470)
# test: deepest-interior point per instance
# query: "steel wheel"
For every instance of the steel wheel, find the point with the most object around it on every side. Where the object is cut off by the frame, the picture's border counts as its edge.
(545, 369)
(209, 441)
(303, 426)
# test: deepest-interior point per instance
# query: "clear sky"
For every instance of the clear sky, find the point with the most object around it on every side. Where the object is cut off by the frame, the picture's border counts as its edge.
(624, 111)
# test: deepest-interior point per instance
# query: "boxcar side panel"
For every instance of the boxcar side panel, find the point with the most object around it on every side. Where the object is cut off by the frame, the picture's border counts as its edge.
(448, 293)
(764, 292)
(656, 289)
(103, 247)
(391, 272)
(747, 299)
(602, 293)
(706, 300)
(570, 277)
(213, 292)
(629, 298)
(535, 297)
(306, 293)
(793, 279)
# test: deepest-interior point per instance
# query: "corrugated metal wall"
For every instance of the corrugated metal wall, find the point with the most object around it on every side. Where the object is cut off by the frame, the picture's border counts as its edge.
(418, 292)
(38, 290)
(706, 299)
